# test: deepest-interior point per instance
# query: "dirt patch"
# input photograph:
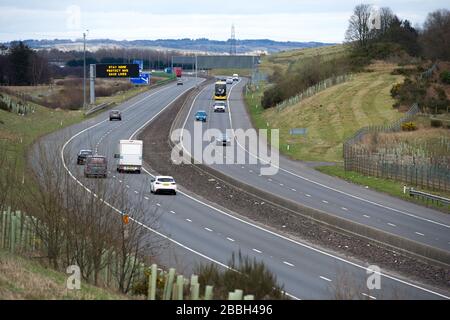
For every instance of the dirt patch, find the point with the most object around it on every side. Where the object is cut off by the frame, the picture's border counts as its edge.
(204, 182)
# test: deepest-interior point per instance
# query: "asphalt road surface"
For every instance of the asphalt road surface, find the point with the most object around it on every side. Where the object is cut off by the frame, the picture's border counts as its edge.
(297, 182)
(198, 232)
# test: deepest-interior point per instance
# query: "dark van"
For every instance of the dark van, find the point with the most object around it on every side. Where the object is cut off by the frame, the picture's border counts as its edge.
(96, 166)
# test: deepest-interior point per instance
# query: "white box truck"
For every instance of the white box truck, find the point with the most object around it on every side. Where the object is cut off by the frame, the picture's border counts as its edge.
(130, 156)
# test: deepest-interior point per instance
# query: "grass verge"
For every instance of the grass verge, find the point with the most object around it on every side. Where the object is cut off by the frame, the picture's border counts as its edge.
(388, 186)
(22, 278)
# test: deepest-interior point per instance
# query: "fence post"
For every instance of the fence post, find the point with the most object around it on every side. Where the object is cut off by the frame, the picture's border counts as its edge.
(152, 282)
(170, 279)
(180, 287)
(238, 294)
(208, 292)
(13, 232)
(249, 297)
(194, 287)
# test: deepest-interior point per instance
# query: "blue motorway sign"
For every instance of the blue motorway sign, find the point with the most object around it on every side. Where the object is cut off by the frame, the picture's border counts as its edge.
(144, 78)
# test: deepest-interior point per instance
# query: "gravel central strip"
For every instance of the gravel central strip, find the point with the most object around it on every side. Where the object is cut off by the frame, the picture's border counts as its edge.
(201, 180)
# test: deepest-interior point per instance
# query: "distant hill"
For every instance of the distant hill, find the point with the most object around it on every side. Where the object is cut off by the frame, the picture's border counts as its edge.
(202, 45)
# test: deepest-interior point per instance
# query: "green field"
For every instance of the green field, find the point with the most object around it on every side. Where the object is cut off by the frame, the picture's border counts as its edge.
(389, 186)
(332, 115)
(24, 279)
(294, 58)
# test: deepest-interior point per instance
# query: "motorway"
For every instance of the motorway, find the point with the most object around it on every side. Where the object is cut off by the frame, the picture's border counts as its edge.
(198, 232)
(299, 183)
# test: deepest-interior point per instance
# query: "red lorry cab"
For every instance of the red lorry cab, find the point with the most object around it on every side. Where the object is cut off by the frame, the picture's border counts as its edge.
(178, 71)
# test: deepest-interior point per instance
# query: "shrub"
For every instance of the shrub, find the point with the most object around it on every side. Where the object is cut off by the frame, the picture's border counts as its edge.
(395, 90)
(436, 123)
(252, 277)
(409, 126)
(445, 76)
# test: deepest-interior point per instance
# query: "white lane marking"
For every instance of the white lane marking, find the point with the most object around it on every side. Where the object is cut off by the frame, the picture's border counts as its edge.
(420, 234)
(114, 176)
(308, 246)
(281, 184)
(369, 296)
(325, 186)
(293, 190)
(208, 229)
(188, 220)
(158, 204)
(256, 250)
(146, 123)
(127, 186)
(308, 195)
(288, 263)
(366, 216)
(391, 224)
(229, 239)
(344, 208)
(120, 181)
(283, 237)
(171, 211)
(135, 191)
(324, 201)
(324, 278)
(269, 179)
(146, 198)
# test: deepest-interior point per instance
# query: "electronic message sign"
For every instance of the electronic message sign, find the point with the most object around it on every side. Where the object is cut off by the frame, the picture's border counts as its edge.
(116, 70)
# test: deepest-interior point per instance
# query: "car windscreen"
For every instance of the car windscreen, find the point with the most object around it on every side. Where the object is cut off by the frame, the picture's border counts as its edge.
(201, 113)
(221, 88)
(85, 152)
(220, 104)
(166, 180)
(96, 161)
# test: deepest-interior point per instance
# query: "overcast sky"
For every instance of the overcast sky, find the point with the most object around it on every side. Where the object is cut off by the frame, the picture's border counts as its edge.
(284, 20)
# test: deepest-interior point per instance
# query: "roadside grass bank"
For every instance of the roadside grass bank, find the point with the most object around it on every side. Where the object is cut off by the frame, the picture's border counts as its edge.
(22, 278)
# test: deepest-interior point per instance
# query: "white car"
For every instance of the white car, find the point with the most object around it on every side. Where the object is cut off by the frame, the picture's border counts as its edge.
(163, 184)
(220, 106)
(230, 80)
(235, 77)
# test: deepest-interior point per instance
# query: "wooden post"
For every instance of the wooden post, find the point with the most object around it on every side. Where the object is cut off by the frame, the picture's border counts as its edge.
(194, 287)
(249, 297)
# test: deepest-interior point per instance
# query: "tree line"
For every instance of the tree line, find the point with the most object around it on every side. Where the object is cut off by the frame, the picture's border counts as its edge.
(390, 37)
(20, 65)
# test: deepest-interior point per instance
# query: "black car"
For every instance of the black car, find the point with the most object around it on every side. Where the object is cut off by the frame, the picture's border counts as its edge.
(81, 158)
(115, 115)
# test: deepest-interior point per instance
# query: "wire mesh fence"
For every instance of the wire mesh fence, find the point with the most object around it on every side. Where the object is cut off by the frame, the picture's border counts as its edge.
(420, 165)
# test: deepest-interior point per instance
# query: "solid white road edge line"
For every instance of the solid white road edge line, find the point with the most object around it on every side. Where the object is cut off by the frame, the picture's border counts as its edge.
(294, 241)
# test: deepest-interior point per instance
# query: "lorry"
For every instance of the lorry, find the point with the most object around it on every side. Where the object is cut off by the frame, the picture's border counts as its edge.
(178, 71)
(129, 156)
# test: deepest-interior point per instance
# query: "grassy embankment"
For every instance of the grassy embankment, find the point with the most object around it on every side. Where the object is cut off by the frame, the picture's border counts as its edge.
(17, 134)
(333, 115)
(25, 279)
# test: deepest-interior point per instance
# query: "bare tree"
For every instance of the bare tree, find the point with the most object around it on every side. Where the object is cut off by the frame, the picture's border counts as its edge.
(435, 38)
(358, 30)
